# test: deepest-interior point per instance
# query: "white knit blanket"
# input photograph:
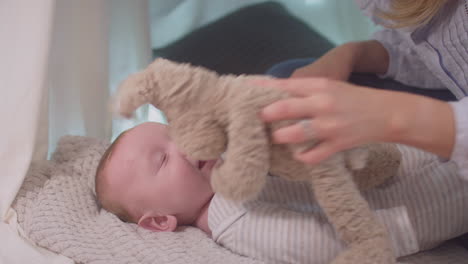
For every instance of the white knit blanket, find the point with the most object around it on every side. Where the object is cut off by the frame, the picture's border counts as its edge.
(57, 209)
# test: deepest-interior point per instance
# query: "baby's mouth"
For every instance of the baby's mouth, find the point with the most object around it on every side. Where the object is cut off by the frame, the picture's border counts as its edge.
(206, 165)
(201, 163)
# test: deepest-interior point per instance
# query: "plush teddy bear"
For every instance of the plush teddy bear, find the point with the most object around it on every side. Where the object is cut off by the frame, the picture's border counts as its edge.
(209, 114)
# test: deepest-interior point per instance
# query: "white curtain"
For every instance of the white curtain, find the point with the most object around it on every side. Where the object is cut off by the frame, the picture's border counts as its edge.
(94, 46)
(61, 60)
(25, 29)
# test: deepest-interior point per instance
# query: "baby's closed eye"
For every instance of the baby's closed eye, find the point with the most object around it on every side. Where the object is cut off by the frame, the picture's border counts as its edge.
(161, 160)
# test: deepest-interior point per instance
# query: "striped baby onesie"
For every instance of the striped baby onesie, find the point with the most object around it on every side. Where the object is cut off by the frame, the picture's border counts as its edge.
(422, 206)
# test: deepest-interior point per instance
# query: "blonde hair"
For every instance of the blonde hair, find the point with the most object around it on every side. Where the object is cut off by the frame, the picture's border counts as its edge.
(100, 183)
(408, 13)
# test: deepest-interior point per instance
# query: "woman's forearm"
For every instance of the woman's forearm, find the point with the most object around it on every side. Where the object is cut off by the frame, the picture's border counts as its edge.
(417, 121)
(340, 62)
(368, 57)
(422, 122)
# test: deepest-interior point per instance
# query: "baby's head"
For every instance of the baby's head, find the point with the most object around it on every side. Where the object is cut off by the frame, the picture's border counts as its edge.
(144, 179)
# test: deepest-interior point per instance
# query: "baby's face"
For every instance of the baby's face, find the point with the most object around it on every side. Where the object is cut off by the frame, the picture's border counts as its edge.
(148, 175)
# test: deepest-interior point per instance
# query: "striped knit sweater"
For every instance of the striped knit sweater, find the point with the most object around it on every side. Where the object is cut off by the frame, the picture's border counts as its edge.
(433, 56)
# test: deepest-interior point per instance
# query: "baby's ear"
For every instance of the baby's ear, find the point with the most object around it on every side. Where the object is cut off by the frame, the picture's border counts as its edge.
(166, 223)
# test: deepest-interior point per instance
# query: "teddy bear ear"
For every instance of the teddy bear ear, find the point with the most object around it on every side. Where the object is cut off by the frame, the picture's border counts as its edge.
(114, 108)
(132, 93)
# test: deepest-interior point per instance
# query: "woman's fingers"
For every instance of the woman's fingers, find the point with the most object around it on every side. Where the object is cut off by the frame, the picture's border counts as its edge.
(300, 107)
(337, 117)
(291, 108)
(298, 133)
(310, 129)
(293, 134)
(318, 153)
(296, 86)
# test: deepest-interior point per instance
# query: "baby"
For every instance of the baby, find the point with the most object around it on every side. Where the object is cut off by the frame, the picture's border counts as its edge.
(144, 179)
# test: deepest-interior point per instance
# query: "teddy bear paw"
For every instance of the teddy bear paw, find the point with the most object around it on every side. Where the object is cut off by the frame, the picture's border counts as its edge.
(373, 251)
(237, 186)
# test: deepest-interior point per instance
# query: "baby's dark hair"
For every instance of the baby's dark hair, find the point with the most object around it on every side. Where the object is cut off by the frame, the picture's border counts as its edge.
(100, 184)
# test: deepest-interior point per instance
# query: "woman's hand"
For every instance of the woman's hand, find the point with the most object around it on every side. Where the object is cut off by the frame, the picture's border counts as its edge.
(344, 115)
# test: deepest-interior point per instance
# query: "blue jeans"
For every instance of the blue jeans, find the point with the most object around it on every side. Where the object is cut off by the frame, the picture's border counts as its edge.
(286, 68)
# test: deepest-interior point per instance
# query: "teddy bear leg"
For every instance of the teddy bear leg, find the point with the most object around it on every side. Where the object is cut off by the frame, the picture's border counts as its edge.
(352, 218)
(372, 251)
(382, 163)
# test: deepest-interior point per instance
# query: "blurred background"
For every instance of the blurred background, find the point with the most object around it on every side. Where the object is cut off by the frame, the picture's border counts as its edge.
(96, 44)
(240, 37)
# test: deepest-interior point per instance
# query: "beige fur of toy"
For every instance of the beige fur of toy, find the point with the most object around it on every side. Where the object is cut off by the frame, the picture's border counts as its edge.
(210, 114)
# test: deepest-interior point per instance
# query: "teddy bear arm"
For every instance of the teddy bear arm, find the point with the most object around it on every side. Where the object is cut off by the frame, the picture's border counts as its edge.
(243, 173)
(198, 135)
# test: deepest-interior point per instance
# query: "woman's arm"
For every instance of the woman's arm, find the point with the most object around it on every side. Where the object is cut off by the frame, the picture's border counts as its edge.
(344, 115)
(422, 122)
(338, 63)
(369, 57)
(460, 149)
